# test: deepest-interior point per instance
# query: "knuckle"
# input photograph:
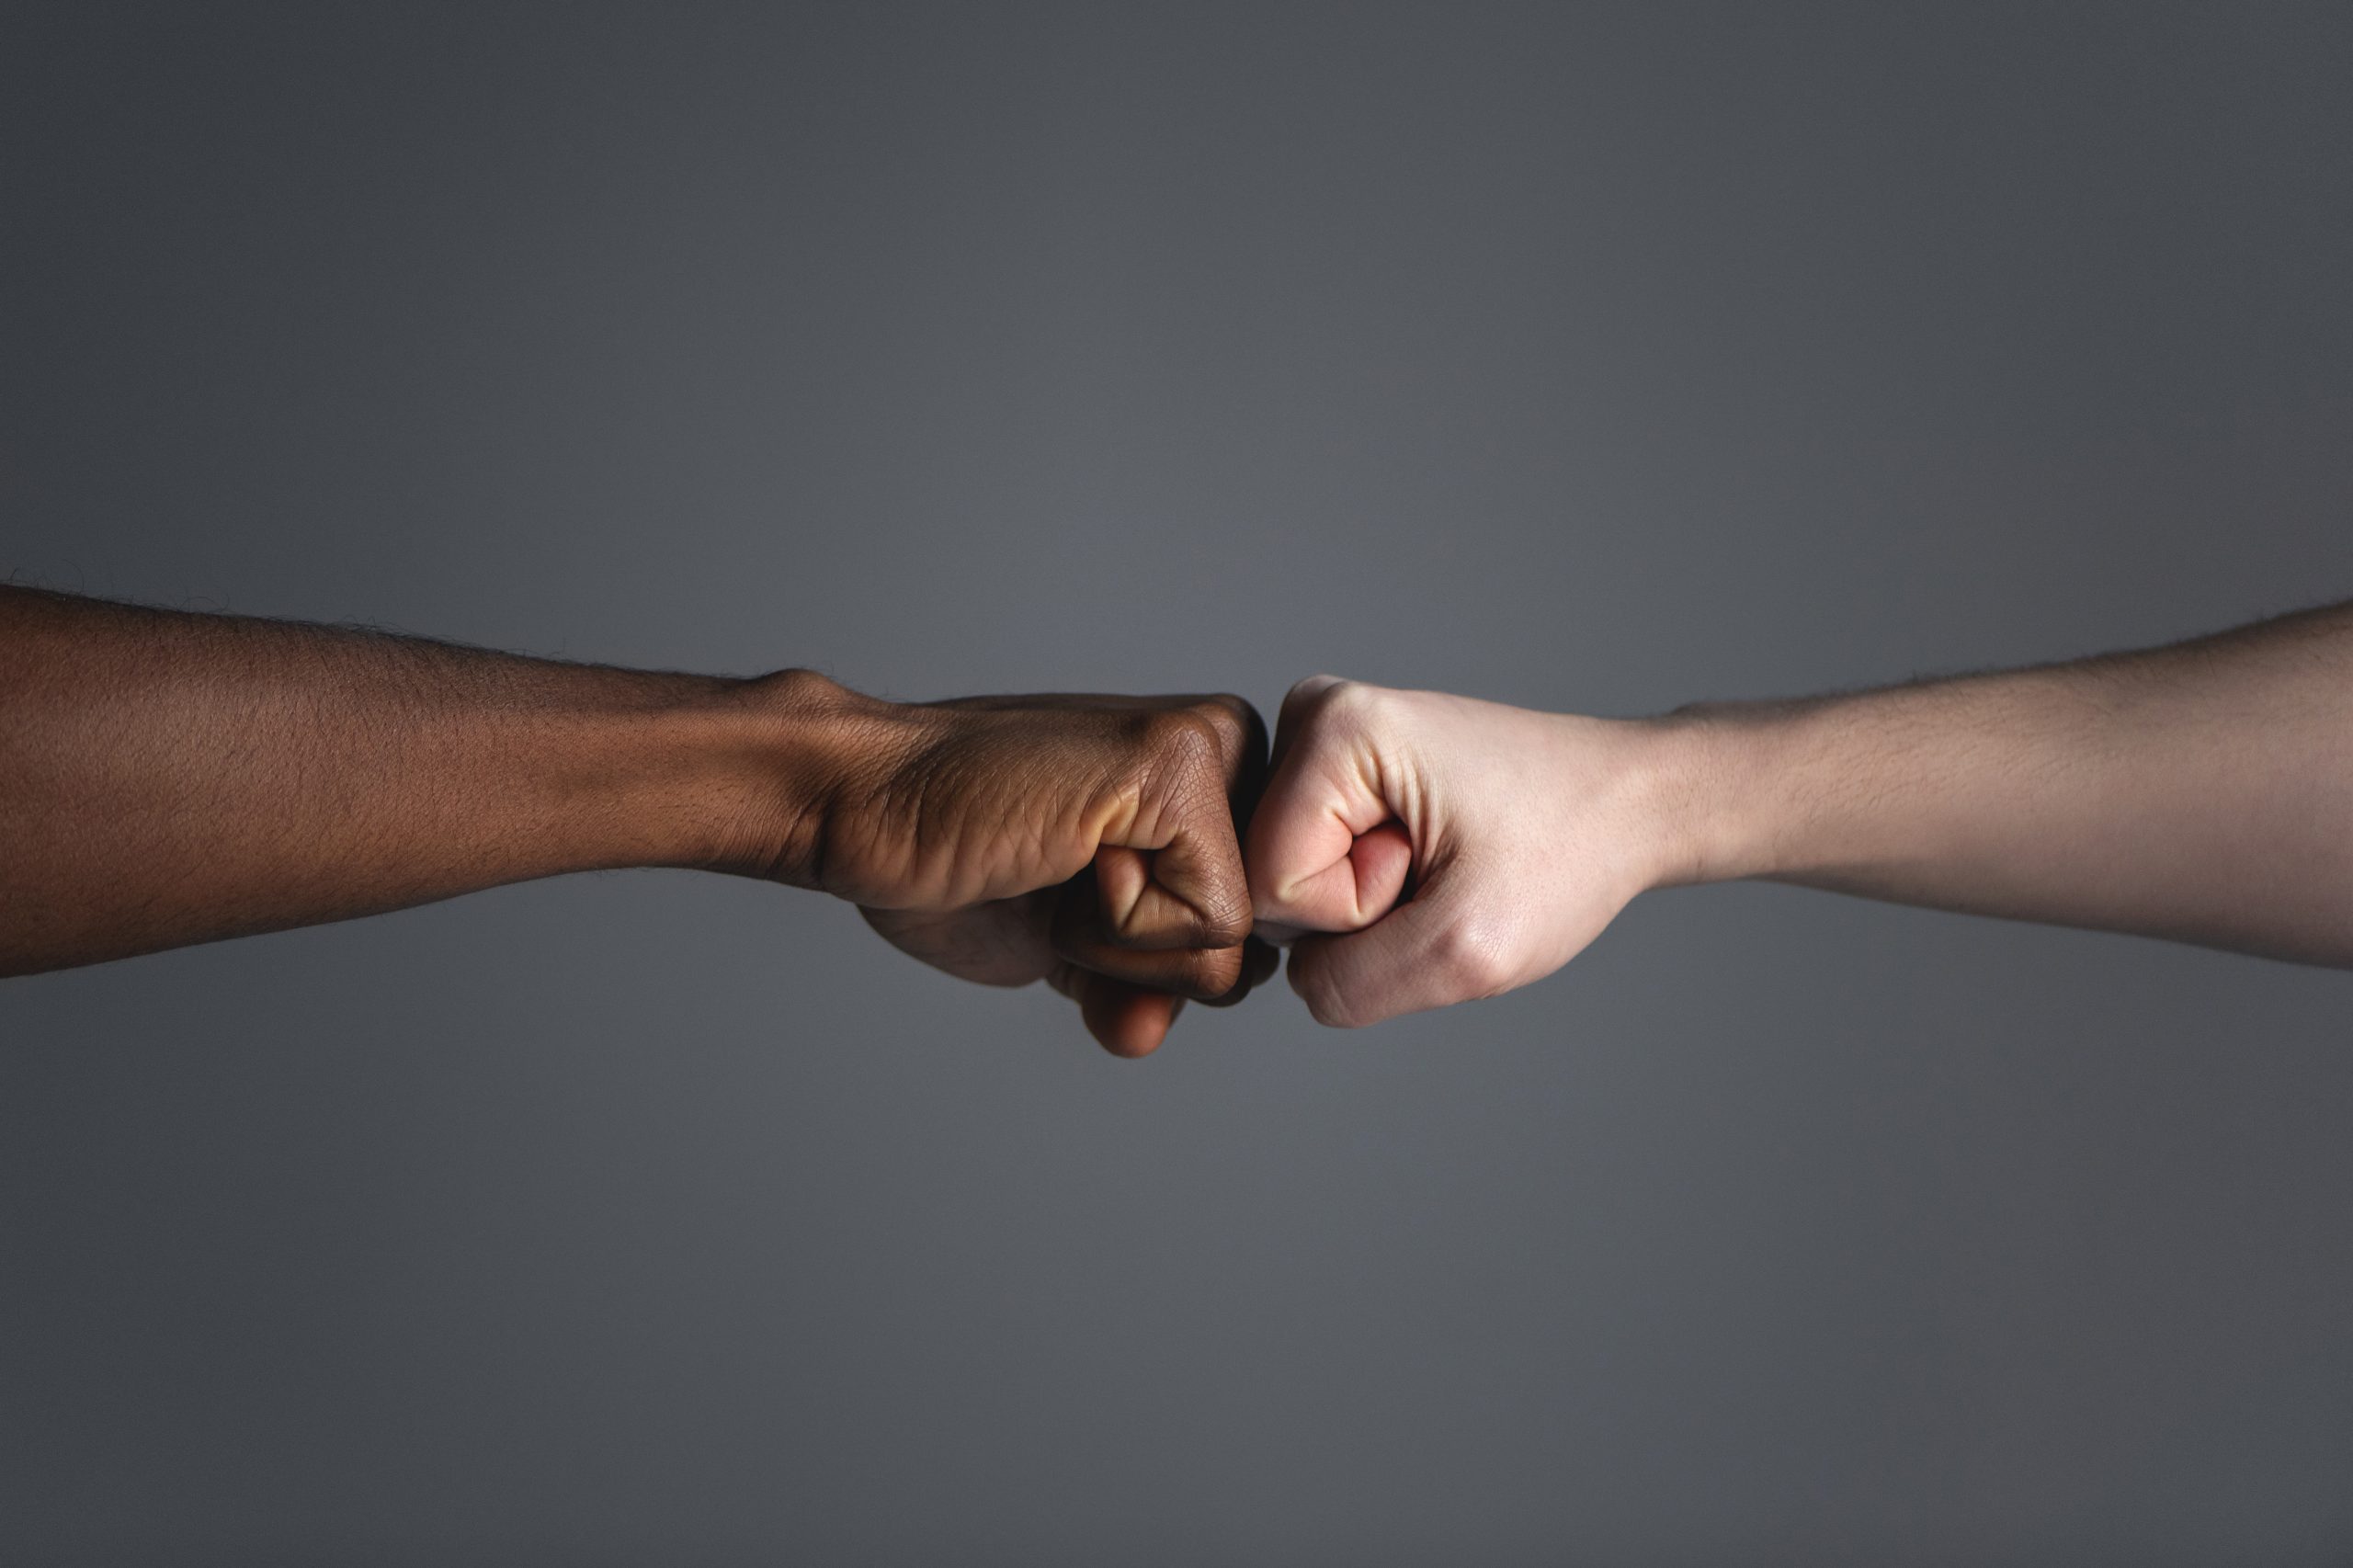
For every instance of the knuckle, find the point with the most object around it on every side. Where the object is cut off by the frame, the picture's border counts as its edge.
(1327, 704)
(1251, 968)
(1182, 739)
(1231, 719)
(1304, 693)
(1228, 919)
(1356, 701)
(1211, 972)
(1476, 958)
(1224, 932)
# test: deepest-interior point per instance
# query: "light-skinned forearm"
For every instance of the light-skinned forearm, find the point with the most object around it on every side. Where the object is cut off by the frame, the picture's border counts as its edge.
(2203, 791)
(169, 778)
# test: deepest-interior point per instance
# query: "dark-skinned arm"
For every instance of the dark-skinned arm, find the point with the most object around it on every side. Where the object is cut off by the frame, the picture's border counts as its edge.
(168, 777)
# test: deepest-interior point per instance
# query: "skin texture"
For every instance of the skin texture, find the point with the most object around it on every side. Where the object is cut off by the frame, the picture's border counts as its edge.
(1105, 863)
(168, 779)
(1520, 834)
(1419, 849)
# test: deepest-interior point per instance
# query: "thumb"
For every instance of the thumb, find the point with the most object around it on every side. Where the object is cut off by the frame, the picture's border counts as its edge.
(1325, 853)
(1346, 894)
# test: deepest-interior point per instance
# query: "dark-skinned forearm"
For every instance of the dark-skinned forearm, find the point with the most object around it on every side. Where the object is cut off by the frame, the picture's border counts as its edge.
(169, 778)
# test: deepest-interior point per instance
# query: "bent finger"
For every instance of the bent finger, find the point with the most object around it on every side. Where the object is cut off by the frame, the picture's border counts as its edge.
(1127, 1020)
(1079, 935)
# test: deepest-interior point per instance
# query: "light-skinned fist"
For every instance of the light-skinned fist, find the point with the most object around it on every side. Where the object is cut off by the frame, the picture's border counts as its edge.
(1418, 849)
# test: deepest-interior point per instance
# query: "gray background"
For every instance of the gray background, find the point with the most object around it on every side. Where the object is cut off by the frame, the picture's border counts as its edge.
(1601, 359)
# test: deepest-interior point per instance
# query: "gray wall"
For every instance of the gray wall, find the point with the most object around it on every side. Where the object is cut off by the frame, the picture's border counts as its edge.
(1590, 359)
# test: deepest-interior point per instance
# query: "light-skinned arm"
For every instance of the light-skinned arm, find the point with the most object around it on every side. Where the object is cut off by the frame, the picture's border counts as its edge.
(2201, 792)
(168, 777)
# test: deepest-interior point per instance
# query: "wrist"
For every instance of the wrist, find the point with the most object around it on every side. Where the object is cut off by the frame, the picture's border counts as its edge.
(1715, 790)
(786, 751)
(736, 776)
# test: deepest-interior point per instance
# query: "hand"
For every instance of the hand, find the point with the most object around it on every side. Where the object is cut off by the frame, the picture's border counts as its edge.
(1454, 848)
(1090, 842)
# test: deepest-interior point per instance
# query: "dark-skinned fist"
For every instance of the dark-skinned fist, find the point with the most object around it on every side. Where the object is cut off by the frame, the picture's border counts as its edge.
(1090, 842)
